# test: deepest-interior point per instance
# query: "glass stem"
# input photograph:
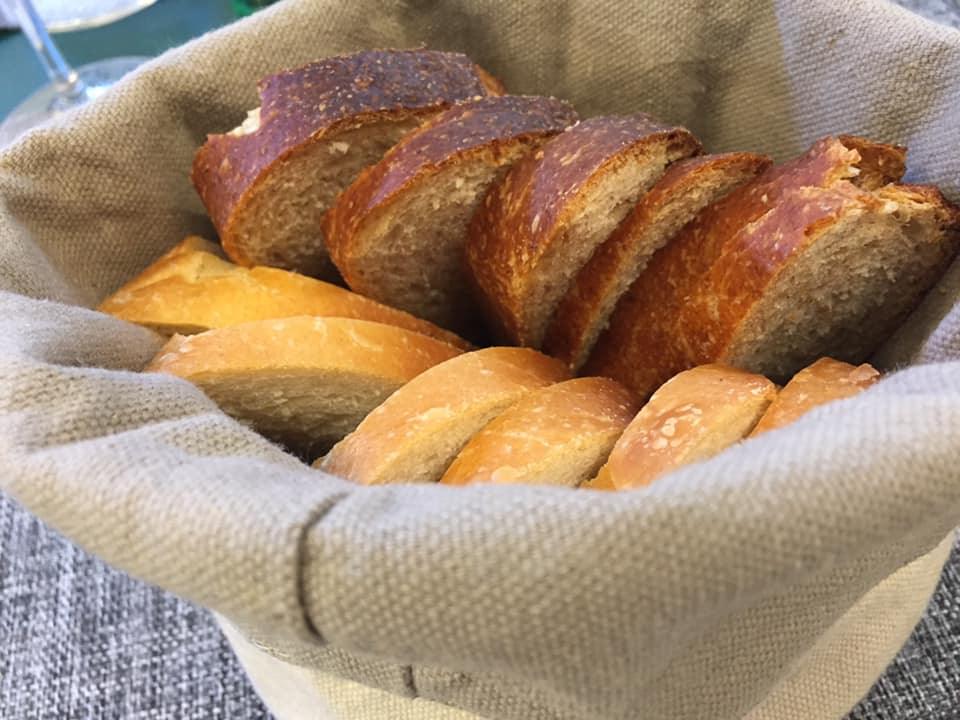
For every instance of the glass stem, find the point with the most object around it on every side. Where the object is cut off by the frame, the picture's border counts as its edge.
(69, 85)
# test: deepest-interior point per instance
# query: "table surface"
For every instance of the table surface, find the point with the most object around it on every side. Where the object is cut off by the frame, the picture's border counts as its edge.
(79, 639)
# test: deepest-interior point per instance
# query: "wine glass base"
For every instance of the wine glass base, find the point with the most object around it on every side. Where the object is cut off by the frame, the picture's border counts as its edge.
(48, 102)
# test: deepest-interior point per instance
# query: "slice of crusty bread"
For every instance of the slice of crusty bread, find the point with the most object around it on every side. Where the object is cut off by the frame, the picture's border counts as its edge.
(823, 382)
(267, 183)
(418, 431)
(397, 234)
(537, 228)
(816, 257)
(304, 381)
(692, 417)
(191, 289)
(685, 189)
(558, 435)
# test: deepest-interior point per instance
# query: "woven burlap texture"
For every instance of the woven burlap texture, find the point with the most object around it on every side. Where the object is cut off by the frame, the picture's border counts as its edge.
(693, 596)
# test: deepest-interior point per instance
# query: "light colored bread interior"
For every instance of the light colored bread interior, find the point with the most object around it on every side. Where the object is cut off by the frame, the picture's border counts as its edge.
(557, 435)
(190, 290)
(692, 417)
(823, 382)
(413, 254)
(418, 431)
(277, 222)
(604, 203)
(304, 382)
(864, 272)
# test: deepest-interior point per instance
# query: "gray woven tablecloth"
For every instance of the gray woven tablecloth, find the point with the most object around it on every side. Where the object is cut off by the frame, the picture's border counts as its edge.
(81, 640)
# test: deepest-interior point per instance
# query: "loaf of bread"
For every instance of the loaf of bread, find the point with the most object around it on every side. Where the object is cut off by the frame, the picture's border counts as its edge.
(685, 189)
(267, 183)
(397, 234)
(304, 382)
(692, 417)
(418, 431)
(192, 289)
(818, 256)
(823, 382)
(558, 435)
(536, 228)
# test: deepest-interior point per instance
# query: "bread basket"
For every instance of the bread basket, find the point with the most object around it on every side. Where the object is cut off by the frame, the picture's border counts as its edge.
(776, 580)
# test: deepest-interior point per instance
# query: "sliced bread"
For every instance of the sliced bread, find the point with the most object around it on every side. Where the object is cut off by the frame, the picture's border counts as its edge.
(418, 431)
(537, 228)
(818, 256)
(397, 234)
(267, 183)
(558, 435)
(191, 289)
(685, 189)
(304, 382)
(692, 417)
(823, 382)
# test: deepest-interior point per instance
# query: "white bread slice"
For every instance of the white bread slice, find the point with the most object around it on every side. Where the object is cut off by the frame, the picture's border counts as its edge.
(267, 183)
(397, 234)
(536, 229)
(558, 435)
(694, 416)
(191, 289)
(304, 382)
(418, 431)
(685, 189)
(816, 257)
(823, 382)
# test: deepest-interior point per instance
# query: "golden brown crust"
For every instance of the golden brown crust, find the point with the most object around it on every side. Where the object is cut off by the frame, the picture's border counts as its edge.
(822, 382)
(439, 403)
(305, 105)
(561, 423)
(476, 129)
(524, 215)
(190, 290)
(674, 316)
(693, 416)
(586, 307)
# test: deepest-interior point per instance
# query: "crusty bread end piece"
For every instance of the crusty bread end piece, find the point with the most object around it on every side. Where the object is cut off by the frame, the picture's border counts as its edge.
(823, 382)
(418, 431)
(685, 189)
(537, 228)
(304, 382)
(397, 234)
(267, 183)
(692, 417)
(558, 435)
(191, 290)
(816, 257)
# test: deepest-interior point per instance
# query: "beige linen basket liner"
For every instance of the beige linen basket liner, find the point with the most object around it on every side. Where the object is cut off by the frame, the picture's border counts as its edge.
(775, 581)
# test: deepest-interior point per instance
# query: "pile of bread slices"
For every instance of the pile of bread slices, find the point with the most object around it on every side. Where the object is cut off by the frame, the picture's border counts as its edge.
(460, 216)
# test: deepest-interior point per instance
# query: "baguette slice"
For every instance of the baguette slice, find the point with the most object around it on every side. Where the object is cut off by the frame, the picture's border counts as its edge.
(397, 234)
(305, 381)
(418, 431)
(558, 435)
(685, 189)
(536, 229)
(823, 382)
(267, 183)
(694, 416)
(816, 257)
(191, 289)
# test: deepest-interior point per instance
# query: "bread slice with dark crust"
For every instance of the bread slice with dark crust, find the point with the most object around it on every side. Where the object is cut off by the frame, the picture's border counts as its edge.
(816, 257)
(684, 190)
(397, 234)
(540, 225)
(267, 183)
